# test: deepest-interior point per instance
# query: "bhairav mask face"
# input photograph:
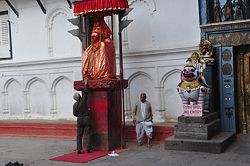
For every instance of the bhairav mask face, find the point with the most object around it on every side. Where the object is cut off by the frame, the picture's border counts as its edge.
(100, 31)
(95, 37)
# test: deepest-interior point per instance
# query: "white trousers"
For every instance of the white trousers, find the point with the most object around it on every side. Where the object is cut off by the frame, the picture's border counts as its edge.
(143, 127)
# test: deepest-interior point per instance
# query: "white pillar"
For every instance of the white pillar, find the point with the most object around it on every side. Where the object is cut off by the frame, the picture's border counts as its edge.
(53, 109)
(127, 105)
(5, 110)
(50, 44)
(27, 111)
(159, 104)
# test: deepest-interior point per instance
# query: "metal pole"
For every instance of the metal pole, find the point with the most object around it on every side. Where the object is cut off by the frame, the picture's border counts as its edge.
(121, 85)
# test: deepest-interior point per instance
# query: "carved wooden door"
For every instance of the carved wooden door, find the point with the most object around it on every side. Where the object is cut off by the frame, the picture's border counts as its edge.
(244, 91)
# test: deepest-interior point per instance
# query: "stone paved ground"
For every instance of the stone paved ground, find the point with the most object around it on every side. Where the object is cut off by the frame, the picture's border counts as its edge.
(37, 151)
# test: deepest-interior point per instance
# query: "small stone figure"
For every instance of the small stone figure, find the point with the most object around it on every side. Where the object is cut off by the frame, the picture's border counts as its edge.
(228, 11)
(206, 51)
(217, 12)
(240, 10)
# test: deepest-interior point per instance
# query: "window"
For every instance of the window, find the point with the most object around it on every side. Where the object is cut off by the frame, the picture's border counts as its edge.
(5, 36)
(215, 11)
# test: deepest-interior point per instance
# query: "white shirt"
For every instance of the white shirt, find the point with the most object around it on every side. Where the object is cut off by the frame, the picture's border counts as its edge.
(143, 110)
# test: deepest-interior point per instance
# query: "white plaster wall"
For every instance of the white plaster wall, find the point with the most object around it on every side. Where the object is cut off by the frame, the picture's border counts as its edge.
(39, 91)
(163, 24)
(46, 58)
(172, 101)
(38, 36)
(38, 82)
(64, 104)
(15, 92)
(38, 98)
(157, 43)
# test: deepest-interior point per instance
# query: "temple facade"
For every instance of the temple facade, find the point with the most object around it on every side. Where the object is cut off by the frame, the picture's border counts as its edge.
(40, 60)
(226, 25)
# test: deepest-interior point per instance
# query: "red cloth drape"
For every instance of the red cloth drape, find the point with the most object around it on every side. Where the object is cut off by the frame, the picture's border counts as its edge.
(91, 6)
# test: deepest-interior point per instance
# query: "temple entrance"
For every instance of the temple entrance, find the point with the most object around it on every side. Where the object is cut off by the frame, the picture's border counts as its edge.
(243, 74)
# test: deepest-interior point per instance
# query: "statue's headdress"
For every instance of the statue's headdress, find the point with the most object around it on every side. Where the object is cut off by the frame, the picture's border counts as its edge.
(193, 59)
(102, 29)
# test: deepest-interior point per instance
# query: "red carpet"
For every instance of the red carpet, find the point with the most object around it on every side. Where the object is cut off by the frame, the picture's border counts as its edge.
(84, 157)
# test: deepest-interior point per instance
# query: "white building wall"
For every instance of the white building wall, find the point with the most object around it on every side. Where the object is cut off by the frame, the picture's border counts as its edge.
(38, 81)
(157, 43)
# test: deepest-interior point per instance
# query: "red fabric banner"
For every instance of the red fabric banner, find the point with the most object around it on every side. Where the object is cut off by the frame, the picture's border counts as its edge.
(91, 6)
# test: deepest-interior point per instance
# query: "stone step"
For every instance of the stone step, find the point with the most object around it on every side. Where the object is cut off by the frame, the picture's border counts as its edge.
(61, 129)
(217, 144)
(52, 130)
(207, 118)
(197, 131)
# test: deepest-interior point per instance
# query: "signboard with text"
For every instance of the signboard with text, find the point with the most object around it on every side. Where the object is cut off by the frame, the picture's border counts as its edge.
(194, 110)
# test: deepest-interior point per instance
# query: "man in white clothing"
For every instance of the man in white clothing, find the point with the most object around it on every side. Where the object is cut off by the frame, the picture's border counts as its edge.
(142, 118)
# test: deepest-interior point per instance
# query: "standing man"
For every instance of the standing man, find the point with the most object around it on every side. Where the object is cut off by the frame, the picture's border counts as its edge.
(80, 110)
(142, 118)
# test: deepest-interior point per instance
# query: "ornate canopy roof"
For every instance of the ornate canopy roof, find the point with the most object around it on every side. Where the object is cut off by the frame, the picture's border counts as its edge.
(94, 6)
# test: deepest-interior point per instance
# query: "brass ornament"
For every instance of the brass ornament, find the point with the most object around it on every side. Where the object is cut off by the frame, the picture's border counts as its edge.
(227, 69)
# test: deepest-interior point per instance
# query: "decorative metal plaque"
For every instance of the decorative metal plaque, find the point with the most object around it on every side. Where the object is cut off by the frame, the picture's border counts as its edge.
(226, 55)
(227, 69)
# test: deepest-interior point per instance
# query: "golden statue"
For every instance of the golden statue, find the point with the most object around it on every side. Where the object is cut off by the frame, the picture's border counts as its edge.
(99, 59)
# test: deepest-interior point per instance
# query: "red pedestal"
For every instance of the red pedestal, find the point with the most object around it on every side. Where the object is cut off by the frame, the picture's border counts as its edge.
(105, 103)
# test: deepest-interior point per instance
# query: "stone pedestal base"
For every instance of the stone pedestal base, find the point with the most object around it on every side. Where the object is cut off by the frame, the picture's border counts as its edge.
(200, 134)
(104, 100)
(201, 128)
(217, 144)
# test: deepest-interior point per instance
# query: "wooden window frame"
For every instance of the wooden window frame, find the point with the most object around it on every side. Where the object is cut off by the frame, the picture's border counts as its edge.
(10, 39)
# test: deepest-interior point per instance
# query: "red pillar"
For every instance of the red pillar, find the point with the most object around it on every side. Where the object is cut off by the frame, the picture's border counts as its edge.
(105, 103)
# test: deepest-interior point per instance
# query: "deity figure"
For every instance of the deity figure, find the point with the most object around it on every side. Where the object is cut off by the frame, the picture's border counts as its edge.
(240, 10)
(217, 12)
(193, 88)
(199, 64)
(99, 59)
(206, 52)
(228, 11)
